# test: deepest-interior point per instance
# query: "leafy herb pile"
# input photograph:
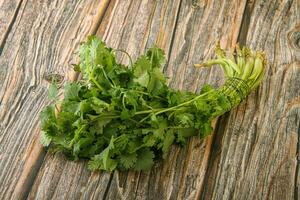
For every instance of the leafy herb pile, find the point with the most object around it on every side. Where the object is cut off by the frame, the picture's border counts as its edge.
(124, 117)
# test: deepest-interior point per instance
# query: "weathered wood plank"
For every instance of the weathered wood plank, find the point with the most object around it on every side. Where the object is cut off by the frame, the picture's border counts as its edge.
(8, 12)
(199, 25)
(129, 25)
(42, 41)
(158, 28)
(257, 157)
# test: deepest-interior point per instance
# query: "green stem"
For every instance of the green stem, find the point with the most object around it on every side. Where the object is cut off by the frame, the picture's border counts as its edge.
(91, 76)
(123, 51)
(159, 111)
(112, 84)
(185, 103)
(145, 93)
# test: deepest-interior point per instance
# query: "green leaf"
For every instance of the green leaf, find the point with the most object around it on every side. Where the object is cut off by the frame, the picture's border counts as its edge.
(99, 123)
(185, 119)
(98, 105)
(140, 71)
(84, 107)
(162, 126)
(205, 129)
(81, 145)
(206, 88)
(134, 144)
(45, 139)
(53, 91)
(71, 91)
(144, 159)
(130, 100)
(70, 106)
(156, 56)
(149, 140)
(125, 114)
(184, 133)
(128, 160)
(48, 114)
(103, 160)
(157, 82)
(168, 141)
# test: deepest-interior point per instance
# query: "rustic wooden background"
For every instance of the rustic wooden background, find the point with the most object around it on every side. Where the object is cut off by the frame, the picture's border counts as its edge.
(254, 150)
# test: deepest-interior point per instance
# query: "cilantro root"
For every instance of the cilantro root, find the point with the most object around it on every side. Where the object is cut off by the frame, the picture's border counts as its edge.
(125, 117)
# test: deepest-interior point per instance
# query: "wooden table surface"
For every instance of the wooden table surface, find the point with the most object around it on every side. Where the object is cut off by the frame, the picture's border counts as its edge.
(253, 152)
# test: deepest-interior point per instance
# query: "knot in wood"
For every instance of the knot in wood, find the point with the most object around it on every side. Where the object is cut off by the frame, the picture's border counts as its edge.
(294, 38)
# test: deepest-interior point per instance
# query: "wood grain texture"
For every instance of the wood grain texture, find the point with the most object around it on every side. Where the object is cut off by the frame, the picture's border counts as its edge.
(181, 175)
(42, 40)
(8, 12)
(257, 156)
(151, 22)
(141, 26)
(126, 25)
(254, 150)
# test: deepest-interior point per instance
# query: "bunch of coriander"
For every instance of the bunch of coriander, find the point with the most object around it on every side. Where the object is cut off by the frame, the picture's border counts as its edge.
(124, 117)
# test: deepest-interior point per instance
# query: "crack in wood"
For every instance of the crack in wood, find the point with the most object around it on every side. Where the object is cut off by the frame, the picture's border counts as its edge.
(173, 35)
(296, 187)
(9, 28)
(108, 185)
(242, 37)
(215, 154)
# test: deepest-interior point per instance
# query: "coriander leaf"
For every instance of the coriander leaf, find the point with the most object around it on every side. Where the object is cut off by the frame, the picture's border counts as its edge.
(168, 141)
(156, 56)
(144, 159)
(71, 106)
(162, 126)
(125, 114)
(98, 105)
(185, 119)
(71, 91)
(99, 123)
(96, 163)
(156, 85)
(205, 129)
(45, 139)
(48, 115)
(80, 146)
(84, 107)
(149, 140)
(128, 160)
(103, 160)
(140, 71)
(52, 92)
(130, 100)
(121, 143)
(206, 88)
(134, 144)
(184, 133)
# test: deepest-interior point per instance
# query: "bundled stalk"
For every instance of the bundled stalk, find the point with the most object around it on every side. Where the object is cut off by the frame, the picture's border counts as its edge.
(125, 117)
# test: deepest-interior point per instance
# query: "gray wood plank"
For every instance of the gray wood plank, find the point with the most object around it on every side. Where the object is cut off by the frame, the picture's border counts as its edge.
(9, 10)
(129, 25)
(199, 25)
(42, 40)
(257, 157)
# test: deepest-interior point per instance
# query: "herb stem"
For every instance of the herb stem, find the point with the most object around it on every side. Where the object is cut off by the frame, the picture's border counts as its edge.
(91, 76)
